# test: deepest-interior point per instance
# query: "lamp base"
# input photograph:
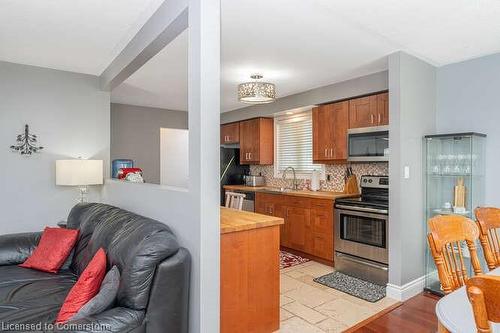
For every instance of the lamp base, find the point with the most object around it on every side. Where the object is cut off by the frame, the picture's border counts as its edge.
(84, 190)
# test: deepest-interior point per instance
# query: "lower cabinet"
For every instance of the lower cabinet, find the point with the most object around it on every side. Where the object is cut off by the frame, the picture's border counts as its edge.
(298, 221)
(308, 224)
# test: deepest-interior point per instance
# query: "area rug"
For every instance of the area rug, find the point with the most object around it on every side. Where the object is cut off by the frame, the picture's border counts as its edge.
(365, 290)
(289, 260)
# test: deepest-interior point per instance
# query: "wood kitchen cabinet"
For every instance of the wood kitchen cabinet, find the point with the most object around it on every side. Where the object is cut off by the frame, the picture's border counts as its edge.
(272, 205)
(308, 226)
(299, 228)
(257, 141)
(330, 124)
(322, 229)
(230, 133)
(369, 111)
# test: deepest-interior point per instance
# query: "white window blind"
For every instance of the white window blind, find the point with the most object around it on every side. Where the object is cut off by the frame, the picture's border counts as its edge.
(294, 143)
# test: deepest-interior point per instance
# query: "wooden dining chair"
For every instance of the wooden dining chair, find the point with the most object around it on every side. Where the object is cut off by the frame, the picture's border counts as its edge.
(484, 295)
(446, 237)
(488, 221)
(235, 200)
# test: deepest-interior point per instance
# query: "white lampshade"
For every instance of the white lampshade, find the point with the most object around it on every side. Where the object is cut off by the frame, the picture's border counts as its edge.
(79, 172)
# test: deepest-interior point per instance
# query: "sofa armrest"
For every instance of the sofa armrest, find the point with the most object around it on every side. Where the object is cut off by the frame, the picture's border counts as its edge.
(116, 320)
(16, 248)
(168, 307)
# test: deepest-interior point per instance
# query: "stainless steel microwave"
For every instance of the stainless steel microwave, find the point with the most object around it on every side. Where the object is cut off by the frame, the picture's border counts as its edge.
(369, 144)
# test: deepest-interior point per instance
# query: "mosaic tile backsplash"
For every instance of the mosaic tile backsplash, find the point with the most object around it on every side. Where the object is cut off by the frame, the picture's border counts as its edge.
(337, 174)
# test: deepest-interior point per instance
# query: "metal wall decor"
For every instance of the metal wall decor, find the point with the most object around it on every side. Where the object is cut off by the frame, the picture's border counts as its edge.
(26, 144)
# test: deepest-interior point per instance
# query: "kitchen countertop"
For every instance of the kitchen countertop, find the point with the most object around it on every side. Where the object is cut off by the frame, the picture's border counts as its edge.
(233, 220)
(309, 194)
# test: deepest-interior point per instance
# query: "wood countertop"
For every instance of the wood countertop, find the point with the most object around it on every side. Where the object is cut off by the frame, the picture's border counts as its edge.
(232, 220)
(309, 194)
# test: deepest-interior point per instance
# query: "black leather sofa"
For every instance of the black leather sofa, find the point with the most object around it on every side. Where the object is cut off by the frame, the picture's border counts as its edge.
(154, 286)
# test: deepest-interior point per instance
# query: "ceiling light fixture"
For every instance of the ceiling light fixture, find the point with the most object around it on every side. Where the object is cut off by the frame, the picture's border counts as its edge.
(256, 92)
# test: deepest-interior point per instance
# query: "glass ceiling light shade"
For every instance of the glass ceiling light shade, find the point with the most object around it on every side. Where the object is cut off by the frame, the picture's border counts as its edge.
(256, 92)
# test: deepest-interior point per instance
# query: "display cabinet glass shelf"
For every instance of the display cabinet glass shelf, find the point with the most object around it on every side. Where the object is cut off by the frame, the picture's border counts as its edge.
(454, 169)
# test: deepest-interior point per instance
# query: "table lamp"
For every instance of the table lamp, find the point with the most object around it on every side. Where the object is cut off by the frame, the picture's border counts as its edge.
(81, 173)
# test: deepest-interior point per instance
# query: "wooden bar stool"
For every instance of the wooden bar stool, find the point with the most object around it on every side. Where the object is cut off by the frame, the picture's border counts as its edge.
(488, 221)
(234, 200)
(446, 237)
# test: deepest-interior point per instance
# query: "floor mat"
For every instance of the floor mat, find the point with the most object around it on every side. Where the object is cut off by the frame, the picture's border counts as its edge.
(289, 260)
(365, 290)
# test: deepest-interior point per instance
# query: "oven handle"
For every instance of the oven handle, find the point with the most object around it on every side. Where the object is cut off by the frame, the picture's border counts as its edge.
(361, 262)
(363, 209)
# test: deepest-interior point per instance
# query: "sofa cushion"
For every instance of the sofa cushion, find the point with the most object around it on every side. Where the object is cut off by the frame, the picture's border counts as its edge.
(134, 243)
(85, 288)
(104, 298)
(28, 296)
(52, 251)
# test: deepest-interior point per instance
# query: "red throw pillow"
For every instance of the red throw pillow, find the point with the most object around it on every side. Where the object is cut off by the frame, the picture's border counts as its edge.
(53, 249)
(85, 288)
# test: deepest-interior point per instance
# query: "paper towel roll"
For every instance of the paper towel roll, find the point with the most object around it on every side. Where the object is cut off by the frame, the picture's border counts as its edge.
(315, 176)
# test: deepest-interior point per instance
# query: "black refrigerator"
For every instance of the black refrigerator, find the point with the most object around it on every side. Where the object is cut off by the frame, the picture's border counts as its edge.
(231, 171)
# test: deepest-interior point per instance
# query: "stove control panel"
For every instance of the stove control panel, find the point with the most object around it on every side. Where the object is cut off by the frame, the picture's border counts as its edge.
(375, 181)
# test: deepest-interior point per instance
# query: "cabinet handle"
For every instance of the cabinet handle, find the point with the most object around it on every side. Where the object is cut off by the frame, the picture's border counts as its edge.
(249, 156)
(371, 118)
(246, 156)
(331, 152)
(326, 152)
(379, 118)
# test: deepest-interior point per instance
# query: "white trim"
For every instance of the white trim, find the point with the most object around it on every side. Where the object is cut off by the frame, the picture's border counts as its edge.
(406, 291)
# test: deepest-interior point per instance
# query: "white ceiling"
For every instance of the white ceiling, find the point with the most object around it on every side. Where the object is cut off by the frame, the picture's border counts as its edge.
(161, 82)
(77, 35)
(296, 44)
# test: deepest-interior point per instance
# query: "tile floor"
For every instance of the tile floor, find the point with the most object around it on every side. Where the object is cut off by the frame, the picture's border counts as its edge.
(309, 307)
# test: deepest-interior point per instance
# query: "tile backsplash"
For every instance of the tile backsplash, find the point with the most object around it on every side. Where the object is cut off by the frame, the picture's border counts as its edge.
(337, 174)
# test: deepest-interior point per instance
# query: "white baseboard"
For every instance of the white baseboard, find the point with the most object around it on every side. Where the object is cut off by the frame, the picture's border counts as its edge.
(406, 291)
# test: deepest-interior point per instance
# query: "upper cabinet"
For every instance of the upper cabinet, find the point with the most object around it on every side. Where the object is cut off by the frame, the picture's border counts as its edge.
(257, 141)
(369, 111)
(230, 133)
(330, 124)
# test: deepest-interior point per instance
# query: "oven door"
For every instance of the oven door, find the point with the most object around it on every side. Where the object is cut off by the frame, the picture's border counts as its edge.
(362, 234)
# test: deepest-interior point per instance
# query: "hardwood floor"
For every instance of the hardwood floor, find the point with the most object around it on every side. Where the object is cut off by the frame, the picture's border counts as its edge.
(414, 316)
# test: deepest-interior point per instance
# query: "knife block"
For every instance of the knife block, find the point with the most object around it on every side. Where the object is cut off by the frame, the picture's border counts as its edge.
(351, 185)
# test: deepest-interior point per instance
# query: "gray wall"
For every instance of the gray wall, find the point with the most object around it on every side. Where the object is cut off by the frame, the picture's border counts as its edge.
(360, 86)
(412, 108)
(135, 134)
(70, 115)
(468, 100)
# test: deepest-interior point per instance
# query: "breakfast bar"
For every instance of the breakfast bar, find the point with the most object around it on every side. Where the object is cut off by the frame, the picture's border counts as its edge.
(250, 282)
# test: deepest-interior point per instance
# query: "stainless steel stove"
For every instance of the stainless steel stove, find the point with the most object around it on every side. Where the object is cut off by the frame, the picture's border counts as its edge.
(361, 230)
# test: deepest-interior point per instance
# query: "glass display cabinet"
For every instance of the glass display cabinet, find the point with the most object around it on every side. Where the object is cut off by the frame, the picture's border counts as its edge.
(454, 179)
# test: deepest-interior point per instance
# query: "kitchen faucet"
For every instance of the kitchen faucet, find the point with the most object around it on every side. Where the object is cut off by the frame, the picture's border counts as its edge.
(295, 184)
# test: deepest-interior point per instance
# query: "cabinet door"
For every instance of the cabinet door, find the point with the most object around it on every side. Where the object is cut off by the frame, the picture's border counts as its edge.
(362, 112)
(249, 141)
(322, 229)
(272, 204)
(383, 109)
(340, 122)
(323, 133)
(298, 221)
(230, 133)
